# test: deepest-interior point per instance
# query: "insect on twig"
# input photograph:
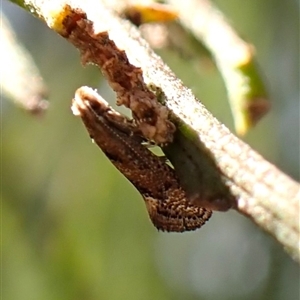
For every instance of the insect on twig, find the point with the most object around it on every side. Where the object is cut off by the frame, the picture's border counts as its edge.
(165, 200)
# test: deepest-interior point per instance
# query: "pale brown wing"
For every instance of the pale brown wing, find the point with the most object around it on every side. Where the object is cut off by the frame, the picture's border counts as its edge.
(155, 180)
(176, 215)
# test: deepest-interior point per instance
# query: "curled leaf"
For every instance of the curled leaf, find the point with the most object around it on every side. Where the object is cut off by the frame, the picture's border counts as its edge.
(153, 12)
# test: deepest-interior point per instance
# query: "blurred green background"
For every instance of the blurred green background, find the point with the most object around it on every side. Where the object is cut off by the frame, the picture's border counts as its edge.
(74, 228)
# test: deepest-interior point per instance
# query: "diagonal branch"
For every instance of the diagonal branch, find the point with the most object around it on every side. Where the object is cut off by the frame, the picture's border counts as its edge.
(203, 148)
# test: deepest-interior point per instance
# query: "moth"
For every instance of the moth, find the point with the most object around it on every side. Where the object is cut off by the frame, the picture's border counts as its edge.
(120, 140)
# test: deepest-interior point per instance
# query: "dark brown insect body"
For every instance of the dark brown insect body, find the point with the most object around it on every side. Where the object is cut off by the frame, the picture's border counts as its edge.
(165, 199)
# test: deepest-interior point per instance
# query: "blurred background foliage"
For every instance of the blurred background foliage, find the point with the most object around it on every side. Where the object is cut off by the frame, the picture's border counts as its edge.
(74, 228)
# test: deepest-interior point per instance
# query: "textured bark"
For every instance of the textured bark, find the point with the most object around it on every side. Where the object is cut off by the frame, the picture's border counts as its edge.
(256, 187)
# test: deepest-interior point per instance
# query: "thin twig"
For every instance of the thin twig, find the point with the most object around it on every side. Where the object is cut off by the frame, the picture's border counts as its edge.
(22, 82)
(234, 57)
(260, 190)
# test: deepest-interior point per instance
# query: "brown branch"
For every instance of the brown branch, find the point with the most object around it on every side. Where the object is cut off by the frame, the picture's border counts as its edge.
(257, 188)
